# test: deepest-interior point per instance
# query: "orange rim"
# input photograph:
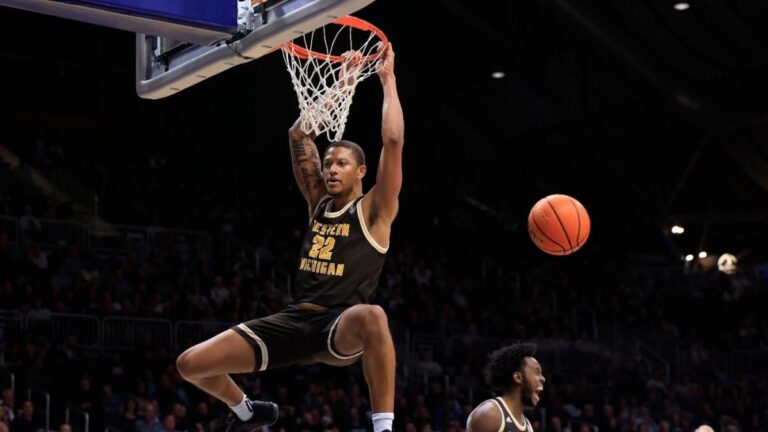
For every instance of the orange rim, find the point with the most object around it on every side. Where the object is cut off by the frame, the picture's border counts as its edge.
(349, 21)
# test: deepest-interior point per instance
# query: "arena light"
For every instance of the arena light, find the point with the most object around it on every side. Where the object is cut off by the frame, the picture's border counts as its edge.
(677, 229)
(498, 75)
(681, 6)
(689, 257)
(727, 263)
(703, 254)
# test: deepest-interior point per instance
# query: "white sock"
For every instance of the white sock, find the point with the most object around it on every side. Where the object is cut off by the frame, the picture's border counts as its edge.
(243, 410)
(382, 421)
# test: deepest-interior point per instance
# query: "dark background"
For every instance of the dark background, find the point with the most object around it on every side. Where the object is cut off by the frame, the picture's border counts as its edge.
(647, 115)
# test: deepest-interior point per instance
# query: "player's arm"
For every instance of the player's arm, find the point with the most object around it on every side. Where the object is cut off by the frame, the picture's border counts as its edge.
(485, 418)
(389, 177)
(306, 159)
(306, 165)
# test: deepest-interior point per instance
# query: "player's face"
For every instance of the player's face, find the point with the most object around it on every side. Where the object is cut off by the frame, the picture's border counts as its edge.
(533, 382)
(341, 171)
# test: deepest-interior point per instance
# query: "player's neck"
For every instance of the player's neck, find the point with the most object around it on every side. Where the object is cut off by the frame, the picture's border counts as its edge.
(341, 201)
(515, 406)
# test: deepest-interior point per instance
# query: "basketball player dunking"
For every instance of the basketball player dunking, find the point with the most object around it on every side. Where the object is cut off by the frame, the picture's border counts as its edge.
(341, 258)
(516, 375)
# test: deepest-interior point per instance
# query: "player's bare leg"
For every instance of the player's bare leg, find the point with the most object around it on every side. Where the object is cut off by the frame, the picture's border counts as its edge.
(365, 327)
(207, 365)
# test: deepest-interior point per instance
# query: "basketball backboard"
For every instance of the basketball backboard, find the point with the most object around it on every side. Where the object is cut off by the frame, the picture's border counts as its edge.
(182, 42)
(166, 65)
(194, 21)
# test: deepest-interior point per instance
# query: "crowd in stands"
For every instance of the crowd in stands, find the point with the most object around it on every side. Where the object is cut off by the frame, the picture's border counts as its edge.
(427, 287)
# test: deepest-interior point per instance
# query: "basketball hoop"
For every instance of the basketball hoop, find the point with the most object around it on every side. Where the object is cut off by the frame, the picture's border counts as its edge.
(325, 78)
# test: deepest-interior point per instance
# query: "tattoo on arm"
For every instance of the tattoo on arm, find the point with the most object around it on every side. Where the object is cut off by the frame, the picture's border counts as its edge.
(306, 167)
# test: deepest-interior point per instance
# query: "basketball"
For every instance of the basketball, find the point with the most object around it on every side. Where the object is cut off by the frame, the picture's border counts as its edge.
(558, 225)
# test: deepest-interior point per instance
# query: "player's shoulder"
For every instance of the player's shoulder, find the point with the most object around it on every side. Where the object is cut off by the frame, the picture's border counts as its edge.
(486, 417)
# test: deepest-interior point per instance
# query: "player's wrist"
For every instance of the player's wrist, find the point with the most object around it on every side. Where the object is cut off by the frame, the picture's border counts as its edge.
(387, 79)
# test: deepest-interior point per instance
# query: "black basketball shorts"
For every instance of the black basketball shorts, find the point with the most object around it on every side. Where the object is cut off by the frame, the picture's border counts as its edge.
(295, 336)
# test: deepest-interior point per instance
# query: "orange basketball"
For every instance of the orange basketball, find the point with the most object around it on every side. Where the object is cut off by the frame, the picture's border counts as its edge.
(558, 225)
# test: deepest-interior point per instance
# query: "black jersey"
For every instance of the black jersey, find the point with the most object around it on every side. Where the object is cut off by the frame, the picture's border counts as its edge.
(508, 422)
(340, 262)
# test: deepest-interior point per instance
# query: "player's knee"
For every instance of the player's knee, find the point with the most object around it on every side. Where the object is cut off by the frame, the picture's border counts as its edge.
(186, 365)
(374, 319)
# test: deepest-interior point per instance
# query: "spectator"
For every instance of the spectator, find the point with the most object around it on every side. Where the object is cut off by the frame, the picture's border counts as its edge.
(428, 365)
(169, 424)
(126, 421)
(30, 225)
(149, 422)
(219, 293)
(26, 421)
(179, 412)
(3, 416)
(465, 314)
(7, 407)
(110, 401)
(85, 398)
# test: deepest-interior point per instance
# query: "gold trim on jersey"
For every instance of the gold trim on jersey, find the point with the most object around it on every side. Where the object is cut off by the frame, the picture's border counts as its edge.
(522, 428)
(501, 410)
(339, 212)
(330, 343)
(313, 211)
(368, 235)
(260, 342)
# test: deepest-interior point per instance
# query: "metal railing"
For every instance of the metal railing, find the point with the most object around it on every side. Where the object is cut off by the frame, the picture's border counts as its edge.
(482, 344)
(84, 329)
(120, 333)
(75, 189)
(11, 326)
(188, 333)
(630, 347)
(49, 233)
(560, 355)
(41, 398)
(53, 233)
(653, 360)
(500, 275)
(426, 341)
(401, 337)
(83, 426)
(120, 239)
(183, 244)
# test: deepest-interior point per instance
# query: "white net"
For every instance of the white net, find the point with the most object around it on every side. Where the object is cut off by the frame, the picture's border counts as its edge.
(324, 81)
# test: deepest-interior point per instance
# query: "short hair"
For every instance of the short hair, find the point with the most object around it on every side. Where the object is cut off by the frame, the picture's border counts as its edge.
(356, 150)
(504, 362)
